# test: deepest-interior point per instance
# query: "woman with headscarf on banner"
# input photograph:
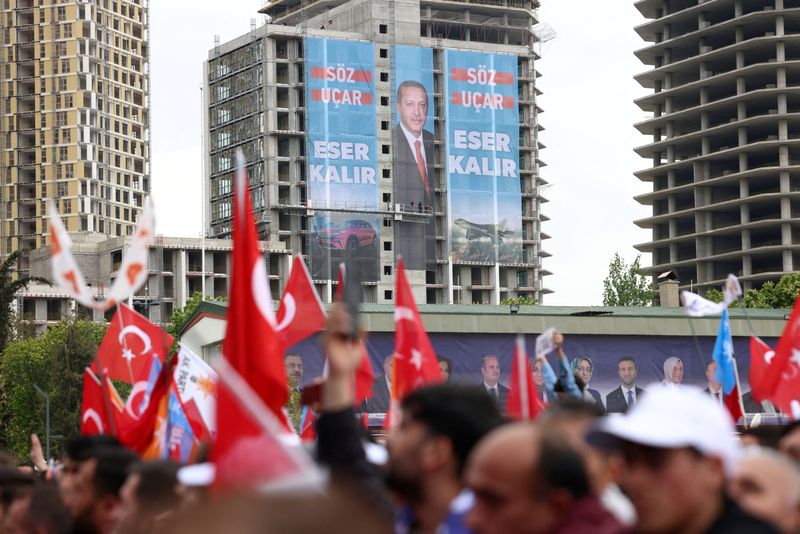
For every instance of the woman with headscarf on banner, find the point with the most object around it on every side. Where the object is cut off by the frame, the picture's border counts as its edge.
(673, 371)
(583, 369)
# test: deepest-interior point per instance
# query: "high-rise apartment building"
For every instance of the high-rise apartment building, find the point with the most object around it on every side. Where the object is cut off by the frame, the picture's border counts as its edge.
(470, 243)
(74, 105)
(725, 130)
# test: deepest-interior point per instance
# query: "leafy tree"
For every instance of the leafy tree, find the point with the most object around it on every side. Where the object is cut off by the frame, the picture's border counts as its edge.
(627, 285)
(9, 287)
(771, 294)
(55, 362)
(524, 300)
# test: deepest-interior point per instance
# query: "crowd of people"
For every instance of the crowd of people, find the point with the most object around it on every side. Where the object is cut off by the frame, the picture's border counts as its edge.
(671, 463)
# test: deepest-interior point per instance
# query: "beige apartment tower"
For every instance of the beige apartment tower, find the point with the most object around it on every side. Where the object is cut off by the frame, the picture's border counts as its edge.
(74, 102)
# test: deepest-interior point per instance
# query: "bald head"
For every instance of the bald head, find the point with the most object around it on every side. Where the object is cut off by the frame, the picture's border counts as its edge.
(767, 484)
(523, 481)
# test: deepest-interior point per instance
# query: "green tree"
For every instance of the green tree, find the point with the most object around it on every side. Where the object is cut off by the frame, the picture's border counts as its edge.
(770, 295)
(627, 285)
(525, 300)
(9, 286)
(55, 362)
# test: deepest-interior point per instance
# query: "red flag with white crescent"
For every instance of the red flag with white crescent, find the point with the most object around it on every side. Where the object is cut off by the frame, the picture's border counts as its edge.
(786, 393)
(523, 399)
(415, 362)
(94, 417)
(300, 313)
(252, 345)
(129, 347)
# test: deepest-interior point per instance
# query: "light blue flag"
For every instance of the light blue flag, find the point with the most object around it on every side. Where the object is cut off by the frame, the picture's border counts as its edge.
(723, 355)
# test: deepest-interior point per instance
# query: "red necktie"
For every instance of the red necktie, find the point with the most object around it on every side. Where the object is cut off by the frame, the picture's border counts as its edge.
(421, 165)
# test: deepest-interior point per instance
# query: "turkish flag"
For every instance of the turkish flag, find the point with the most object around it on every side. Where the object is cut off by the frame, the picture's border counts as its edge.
(523, 399)
(415, 362)
(300, 313)
(252, 447)
(129, 347)
(787, 390)
(94, 412)
(733, 405)
(365, 376)
(141, 433)
(785, 364)
(251, 345)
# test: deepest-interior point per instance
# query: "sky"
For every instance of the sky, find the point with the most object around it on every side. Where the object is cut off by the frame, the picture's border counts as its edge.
(587, 79)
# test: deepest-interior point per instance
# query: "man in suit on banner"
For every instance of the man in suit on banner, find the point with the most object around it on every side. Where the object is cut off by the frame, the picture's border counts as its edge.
(490, 370)
(627, 394)
(413, 157)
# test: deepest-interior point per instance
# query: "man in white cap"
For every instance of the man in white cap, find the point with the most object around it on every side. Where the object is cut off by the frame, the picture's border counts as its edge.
(678, 449)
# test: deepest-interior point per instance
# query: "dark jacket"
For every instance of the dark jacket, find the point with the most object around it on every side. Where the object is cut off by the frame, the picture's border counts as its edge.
(734, 520)
(597, 398)
(410, 234)
(616, 401)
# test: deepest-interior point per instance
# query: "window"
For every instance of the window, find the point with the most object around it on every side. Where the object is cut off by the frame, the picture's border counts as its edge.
(387, 197)
(387, 270)
(63, 153)
(387, 173)
(66, 136)
(383, 52)
(384, 125)
(384, 76)
(385, 149)
(384, 101)
(387, 246)
(383, 28)
(62, 84)
(387, 294)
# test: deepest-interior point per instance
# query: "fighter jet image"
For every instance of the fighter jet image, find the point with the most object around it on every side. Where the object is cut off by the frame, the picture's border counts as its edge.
(494, 232)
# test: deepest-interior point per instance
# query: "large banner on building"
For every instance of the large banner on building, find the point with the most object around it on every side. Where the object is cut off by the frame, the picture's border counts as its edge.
(413, 156)
(484, 200)
(342, 156)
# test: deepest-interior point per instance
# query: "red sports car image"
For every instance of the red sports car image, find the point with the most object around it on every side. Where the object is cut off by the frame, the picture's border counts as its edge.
(352, 236)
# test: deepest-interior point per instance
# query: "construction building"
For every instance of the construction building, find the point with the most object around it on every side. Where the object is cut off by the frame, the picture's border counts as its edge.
(724, 116)
(255, 92)
(74, 105)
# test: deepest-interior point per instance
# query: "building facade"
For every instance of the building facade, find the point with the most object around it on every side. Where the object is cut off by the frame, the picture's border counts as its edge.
(725, 130)
(255, 91)
(178, 268)
(74, 105)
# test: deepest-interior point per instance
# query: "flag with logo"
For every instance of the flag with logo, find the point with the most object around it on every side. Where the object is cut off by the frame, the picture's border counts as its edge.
(130, 346)
(523, 399)
(196, 387)
(726, 368)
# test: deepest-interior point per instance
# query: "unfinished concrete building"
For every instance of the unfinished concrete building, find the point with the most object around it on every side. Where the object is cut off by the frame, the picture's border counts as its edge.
(725, 127)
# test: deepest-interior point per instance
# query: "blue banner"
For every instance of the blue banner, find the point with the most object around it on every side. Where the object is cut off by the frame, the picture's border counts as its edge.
(413, 155)
(485, 204)
(342, 156)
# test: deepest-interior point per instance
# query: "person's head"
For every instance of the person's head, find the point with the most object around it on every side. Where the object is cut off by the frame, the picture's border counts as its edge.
(439, 425)
(538, 376)
(677, 447)
(387, 366)
(150, 491)
(294, 368)
(93, 496)
(789, 443)
(490, 370)
(38, 510)
(571, 420)
(77, 451)
(524, 481)
(446, 367)
(673, 370)
(626, 369)
(12, 483)
(583, 368)
(711, 370)
(412, 106)
(767, 484)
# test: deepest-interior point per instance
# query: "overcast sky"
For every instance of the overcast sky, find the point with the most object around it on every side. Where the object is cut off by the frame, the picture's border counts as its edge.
(589, 112)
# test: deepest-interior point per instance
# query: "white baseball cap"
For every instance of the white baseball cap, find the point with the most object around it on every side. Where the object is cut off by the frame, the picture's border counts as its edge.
(672, 417)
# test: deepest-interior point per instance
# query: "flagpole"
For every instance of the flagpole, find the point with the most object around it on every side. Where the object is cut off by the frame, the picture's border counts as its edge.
(696, 341)
(523, 379)
(124, 343)
(747, 316)
(739, 392)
